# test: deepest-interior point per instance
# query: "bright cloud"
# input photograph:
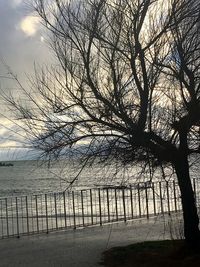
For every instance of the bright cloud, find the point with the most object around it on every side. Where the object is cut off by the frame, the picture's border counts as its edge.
(16, 2)
(30, 25)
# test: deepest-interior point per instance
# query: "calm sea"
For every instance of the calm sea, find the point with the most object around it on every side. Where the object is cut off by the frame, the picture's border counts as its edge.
(36, 177)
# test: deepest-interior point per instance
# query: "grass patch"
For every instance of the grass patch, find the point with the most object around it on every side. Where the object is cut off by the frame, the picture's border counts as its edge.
(167, 253)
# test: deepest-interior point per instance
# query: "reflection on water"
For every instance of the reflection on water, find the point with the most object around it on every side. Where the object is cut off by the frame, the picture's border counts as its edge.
(36, 177)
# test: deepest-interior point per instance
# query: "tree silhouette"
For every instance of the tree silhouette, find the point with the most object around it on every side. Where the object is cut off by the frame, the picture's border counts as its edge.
(125, 85)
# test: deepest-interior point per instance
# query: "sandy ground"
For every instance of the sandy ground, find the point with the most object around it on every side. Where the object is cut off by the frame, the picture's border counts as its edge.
(79, 248)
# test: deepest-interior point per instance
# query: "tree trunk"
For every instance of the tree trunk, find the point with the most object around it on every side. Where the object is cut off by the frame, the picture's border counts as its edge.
(191, 219)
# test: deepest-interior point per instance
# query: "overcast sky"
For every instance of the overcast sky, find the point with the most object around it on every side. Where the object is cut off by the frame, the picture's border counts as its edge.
(21, 40)
(21, 45)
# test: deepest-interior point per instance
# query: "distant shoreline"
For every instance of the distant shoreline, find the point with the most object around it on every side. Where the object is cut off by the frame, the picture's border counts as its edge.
(6, 164)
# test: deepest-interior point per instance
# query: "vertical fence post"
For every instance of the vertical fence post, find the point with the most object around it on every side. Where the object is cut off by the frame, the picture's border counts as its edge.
(116, 208)
(100, 206)
(12, 215)
(154, 199)
(64, 206)
(91, 207)
(139, 200)
(1, 217)
(74, 211)
(42, 213)
(55, 207)
(161, 200)
(27, 214)
(17, 216)
(36, 206)
(82, 208)
(22, 215)
(168, 201)
(124, 204)
(31, 226)
(7, 224)
(147, 200)
(131, 195)
(174, 189)
(46, 214)
(108, 204)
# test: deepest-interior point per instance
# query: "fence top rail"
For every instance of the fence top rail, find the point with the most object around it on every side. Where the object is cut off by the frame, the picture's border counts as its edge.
(139, 185)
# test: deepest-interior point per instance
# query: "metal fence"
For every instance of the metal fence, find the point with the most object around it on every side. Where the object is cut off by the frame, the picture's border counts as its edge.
(24, 215)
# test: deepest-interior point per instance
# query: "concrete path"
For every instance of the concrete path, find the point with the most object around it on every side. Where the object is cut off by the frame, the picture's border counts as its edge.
(80, 248)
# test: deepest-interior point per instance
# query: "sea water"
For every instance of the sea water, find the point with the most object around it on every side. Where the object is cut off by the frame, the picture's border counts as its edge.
(38, 177)
(26, 204)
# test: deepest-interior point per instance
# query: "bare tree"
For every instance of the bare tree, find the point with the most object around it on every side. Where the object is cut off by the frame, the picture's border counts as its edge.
(126, 86)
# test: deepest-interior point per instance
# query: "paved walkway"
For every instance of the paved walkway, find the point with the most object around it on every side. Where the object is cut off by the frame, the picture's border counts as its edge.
(80, 248)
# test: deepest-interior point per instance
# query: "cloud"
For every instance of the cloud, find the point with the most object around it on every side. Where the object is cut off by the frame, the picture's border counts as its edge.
(30, 25)
(19, 53)
(16, 3)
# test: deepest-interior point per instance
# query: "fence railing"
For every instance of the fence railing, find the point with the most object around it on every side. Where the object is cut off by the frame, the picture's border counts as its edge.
(24, 215)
